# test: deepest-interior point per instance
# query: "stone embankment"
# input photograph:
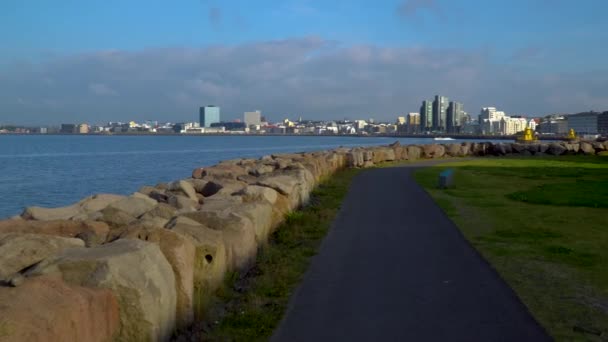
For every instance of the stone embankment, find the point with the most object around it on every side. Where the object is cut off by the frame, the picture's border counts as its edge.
(139, 267)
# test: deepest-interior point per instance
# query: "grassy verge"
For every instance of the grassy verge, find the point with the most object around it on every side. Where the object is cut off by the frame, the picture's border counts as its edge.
(249, 307)
(543, 224)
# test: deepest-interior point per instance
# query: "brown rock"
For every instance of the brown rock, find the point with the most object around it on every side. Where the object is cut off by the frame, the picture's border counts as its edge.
(19, 250)
(179, 251)
(63, 228)
(587, 148)
(47, 309)
(238, 235)
(209, 262)
(433, 151)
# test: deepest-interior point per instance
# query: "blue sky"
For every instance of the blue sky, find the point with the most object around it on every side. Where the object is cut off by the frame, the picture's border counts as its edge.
(524, 56)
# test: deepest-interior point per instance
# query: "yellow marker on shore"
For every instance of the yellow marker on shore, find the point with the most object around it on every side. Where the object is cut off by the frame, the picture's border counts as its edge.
(527, 136)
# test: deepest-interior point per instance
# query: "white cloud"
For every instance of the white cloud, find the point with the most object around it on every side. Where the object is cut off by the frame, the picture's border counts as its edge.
(307, 76)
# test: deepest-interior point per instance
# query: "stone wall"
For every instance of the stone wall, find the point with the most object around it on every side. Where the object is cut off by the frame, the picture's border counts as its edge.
(138, 267)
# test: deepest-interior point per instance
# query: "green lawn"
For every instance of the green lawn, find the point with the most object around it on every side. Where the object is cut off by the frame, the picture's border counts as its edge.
(543, 224)
(249, 307)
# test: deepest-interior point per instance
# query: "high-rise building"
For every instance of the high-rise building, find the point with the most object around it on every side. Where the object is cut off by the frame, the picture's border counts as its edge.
(454, 117)
(426, 115)
(209, 115)
(413, 122)
(252, 118)
(440, 109)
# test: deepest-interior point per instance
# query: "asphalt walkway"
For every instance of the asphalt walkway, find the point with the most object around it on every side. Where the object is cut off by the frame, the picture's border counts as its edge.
(395, 268)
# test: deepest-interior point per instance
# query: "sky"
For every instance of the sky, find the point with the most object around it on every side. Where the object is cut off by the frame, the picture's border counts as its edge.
(114, 60)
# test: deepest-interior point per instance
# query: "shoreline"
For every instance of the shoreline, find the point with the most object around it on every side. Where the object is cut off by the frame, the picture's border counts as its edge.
(414, 136)
(145, 265)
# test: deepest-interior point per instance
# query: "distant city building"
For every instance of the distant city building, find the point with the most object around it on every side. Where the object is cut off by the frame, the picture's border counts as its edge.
(492, 121)
(209, 115)
(602, 124)
(68, 129)
(413, 122)
(426, 115)
(584, 123)
(83, 129)
(557, 126)
(253, 118)
(230, 126)
(454, 117)
(43, 130)
(440, 108)
(401, 120)
(490, 113)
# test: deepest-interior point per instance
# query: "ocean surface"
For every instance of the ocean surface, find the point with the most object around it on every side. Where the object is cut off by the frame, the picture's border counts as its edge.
(56, 170)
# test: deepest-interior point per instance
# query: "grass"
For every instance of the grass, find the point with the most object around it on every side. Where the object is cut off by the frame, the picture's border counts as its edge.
(543, 225)
(249, 307)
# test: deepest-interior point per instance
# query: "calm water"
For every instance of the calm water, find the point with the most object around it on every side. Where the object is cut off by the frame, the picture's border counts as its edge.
(53, 171)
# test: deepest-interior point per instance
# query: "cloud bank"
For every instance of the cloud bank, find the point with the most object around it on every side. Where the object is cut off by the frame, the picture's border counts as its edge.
(309, 77)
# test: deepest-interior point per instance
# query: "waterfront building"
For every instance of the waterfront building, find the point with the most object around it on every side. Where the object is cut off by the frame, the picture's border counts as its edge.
(68, 128)
(426, 116)
(209, 115)
(557, 126)
(454, 117)
(602, 124)
(252, 118)
(440, 107)
(401, 120)
(83, 129)
(584, 123)
(413, 122)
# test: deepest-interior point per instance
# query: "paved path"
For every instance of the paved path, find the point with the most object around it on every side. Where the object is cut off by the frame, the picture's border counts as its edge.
(395, 268)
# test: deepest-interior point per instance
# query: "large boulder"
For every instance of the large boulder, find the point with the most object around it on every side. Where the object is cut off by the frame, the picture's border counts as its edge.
(294, 184)
(137, 273)
(556, 149)
(184, 188)
(48, 309)
(279, 203)
(498, 149)
(116, 217)
(414, 152)
(20, 251)
(183, 203)
(222, 170)
(209, 261)
(238, 235)
(479, 149)
(254, 193)
(179, 252)
(433, 151)
(134, 206)
(162, 210)
(587, 148)
(47, 214)
(260, 213)
(598, 146)
(465, 149)
(453, 150)
(77, 211)
(96, 232)
(354, 158)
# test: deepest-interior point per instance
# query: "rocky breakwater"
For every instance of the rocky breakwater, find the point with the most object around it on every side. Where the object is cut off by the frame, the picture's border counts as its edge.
(139, 267)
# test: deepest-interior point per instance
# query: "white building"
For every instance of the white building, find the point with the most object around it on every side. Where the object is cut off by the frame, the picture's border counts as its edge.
(252, 118)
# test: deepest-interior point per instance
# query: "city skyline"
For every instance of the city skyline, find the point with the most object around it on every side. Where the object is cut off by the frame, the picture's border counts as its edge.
(313, 59)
